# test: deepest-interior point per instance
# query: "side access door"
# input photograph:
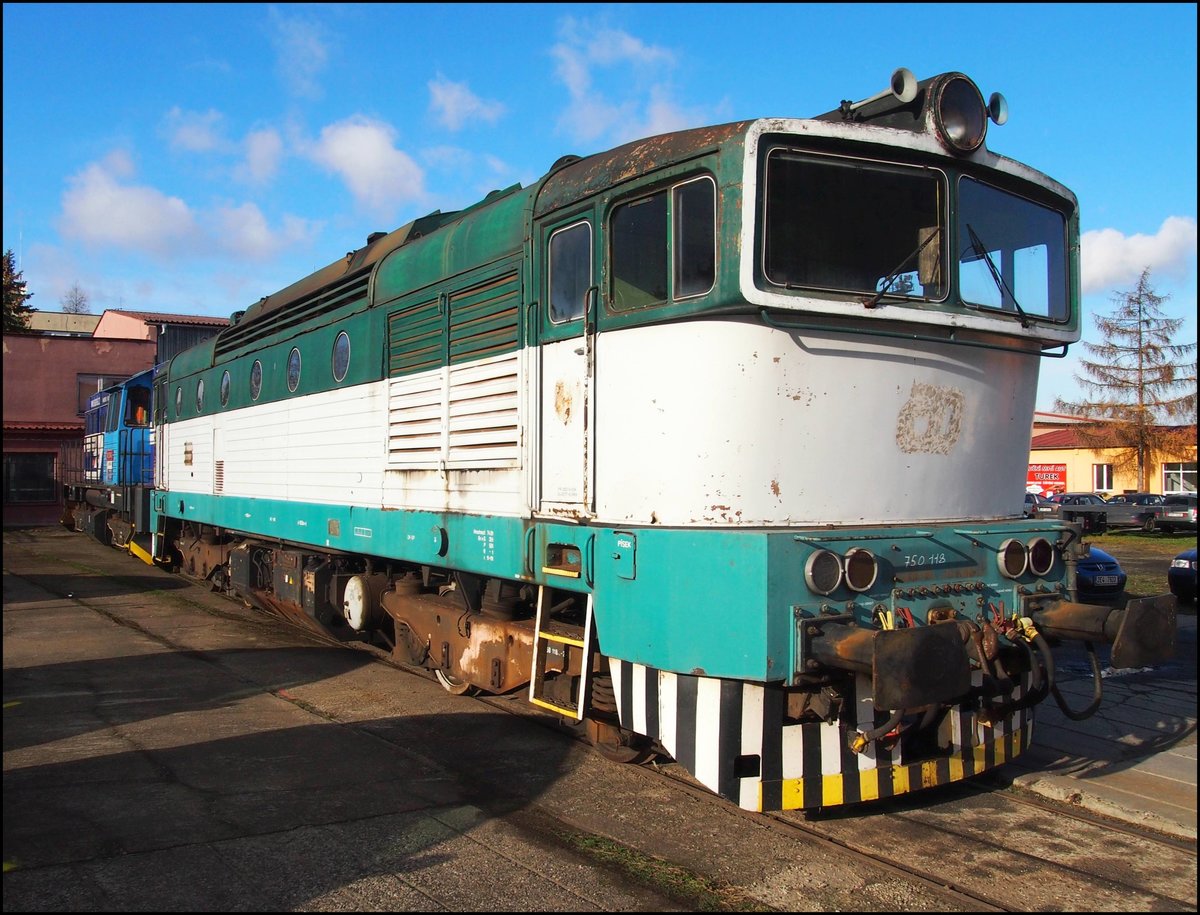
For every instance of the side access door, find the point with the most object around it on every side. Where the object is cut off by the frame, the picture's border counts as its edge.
(565, 469)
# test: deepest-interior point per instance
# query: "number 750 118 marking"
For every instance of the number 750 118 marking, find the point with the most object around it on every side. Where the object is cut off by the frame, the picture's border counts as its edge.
(928, 559)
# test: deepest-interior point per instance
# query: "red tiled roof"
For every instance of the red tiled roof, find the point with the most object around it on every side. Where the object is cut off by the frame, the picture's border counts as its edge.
(42, 427)
(1069, 438)
(158, 317)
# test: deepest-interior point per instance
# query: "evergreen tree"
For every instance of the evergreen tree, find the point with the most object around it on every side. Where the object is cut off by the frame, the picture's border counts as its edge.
(1140, 381)
(16, 312)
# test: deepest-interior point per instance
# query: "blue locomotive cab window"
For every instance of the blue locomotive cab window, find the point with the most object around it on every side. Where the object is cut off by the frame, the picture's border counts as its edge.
(112, 421)
(664, 245)
(570, 272)
(255, 380)
(341, 356)
(225, 388)
(137, 407)
(293, 370)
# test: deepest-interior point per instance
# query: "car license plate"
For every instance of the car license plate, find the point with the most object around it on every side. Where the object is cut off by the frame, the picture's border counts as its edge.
(1106, 579)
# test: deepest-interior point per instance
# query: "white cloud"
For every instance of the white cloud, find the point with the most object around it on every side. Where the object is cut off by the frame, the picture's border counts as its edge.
(194, 132)
(585, 49)
(301, 53)
(1110, 259)
(455, 104)
(97, 209)
(243, 232)
(264, 151)
(104, 208)
(363, 152)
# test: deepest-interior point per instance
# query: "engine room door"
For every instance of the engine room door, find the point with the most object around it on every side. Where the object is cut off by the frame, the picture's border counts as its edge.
(565, 474)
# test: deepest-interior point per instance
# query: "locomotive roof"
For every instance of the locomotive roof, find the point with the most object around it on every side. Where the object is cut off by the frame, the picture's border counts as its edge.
(586, 176)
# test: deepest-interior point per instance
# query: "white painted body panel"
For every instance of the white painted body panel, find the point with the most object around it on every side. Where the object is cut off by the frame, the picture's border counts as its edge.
(565, 427)
(332, 448)
(729, 422)
(699, 423)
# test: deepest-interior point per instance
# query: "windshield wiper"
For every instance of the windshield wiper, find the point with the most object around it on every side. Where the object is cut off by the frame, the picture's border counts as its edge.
(873, 302)
(979, 248)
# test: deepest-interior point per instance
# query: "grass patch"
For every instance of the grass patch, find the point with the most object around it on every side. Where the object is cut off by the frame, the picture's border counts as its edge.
(1144, 557)
(698, 893)
(1139, 545)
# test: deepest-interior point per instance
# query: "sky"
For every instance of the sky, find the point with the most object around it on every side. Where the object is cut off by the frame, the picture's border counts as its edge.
(192, 158)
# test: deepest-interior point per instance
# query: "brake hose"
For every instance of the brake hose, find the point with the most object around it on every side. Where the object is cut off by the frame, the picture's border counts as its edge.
(860, 740)
(1097, 687)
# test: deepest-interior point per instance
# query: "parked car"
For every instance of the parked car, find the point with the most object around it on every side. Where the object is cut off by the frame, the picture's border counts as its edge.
(1099, 575)
(1037, 507)
(1181, 575)
(1085, 507)
(1178, 514)
(1134, 509)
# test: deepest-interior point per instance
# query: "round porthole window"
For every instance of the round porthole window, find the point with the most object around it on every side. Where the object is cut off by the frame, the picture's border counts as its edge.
(293, 370)
(225, 388)
(341, 356)
(200, 395)
(178, 402)
(255, 380)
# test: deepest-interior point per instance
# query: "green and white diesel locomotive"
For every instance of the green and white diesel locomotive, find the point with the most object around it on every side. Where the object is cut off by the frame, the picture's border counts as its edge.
(714, 443)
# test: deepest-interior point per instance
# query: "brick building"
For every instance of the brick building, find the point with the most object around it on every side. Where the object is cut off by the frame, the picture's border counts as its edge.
(49, 374)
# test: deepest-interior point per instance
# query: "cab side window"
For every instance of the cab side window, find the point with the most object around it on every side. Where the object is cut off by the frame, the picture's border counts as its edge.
(137, 407)
(664, 245)
(570, 271)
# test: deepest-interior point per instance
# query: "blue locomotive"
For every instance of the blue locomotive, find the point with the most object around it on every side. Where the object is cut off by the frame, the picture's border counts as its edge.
(107, 491)
(713, 443)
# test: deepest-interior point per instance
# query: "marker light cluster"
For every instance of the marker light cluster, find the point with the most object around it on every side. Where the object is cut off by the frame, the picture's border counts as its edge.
(1015, 557)
(825, 570)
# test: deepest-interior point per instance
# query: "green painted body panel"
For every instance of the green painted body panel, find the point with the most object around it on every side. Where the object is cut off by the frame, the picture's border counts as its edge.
(479, 237)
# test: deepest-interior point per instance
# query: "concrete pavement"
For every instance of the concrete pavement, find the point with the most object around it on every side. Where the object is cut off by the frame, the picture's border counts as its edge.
(1135, 759)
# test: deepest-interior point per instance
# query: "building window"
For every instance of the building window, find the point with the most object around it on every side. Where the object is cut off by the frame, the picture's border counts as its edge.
(87, 385)
(1179, 478)
(29, 478)
(1102, 477)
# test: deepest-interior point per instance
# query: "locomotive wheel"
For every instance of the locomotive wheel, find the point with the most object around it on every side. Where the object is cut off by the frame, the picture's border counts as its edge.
(453, 685)
(617, 744)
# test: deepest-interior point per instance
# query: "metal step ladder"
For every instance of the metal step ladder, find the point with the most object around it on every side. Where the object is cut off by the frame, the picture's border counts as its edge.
(547, 633)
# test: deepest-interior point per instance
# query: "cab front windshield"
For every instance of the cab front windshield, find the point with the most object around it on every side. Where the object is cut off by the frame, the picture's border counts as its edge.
(875, 229)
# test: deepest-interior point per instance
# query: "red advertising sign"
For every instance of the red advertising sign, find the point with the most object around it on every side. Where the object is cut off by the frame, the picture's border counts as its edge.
(1046, 479)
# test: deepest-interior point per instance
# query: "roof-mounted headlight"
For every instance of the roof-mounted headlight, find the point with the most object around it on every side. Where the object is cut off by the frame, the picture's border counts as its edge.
(958, 112)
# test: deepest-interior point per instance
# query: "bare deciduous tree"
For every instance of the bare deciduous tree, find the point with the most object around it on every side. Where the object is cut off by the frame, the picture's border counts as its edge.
(75, 302)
